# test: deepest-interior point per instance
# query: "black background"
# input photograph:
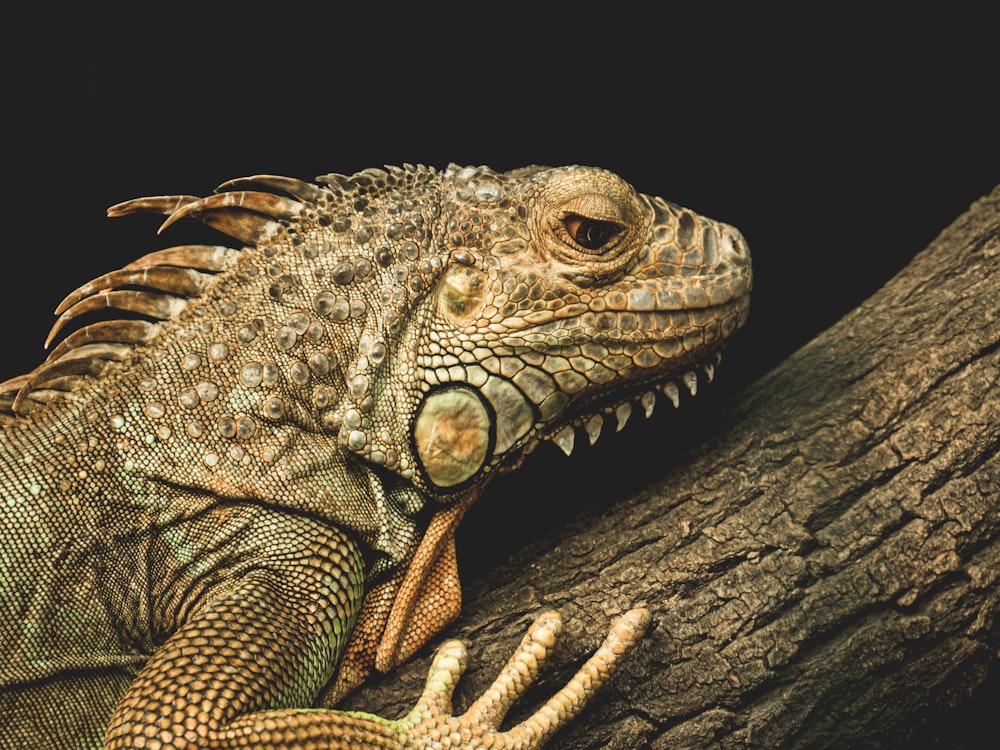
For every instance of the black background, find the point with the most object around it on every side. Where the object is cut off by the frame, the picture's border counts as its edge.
(839, 141)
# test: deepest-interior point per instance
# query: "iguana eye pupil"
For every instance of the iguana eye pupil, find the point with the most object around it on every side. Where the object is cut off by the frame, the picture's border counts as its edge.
(591, 234)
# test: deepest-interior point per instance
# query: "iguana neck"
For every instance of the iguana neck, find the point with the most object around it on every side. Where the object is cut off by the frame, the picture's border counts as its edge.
(163, 447)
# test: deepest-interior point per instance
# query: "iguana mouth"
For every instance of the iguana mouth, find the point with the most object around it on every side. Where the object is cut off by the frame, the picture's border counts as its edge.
(646, 328)
(680, 366)
(590, 415)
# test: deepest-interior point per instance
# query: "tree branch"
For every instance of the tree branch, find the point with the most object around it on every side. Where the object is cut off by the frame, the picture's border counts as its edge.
(823, 572)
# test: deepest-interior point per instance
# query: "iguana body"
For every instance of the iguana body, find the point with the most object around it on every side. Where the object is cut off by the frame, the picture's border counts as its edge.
(248, 495)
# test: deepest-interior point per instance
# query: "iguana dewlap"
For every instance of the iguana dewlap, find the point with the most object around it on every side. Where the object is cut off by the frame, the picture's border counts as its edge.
(234, 499)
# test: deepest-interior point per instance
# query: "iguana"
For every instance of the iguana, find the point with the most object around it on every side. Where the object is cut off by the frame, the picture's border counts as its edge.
(230, 499)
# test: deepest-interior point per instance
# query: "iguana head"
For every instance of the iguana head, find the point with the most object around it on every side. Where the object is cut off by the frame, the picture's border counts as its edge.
(565, 296)
(430, 325)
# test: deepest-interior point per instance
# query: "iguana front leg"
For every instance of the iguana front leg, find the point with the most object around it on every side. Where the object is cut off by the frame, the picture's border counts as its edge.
(429, 724)
(243, 670)
(266, 626)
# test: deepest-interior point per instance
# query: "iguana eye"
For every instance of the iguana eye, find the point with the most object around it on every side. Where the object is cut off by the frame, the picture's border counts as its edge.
(591, 234)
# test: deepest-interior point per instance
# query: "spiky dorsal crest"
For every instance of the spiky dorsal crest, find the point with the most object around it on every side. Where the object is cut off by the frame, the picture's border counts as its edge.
(157, 286)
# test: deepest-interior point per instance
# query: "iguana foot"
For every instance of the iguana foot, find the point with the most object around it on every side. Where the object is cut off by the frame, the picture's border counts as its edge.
(431, 722)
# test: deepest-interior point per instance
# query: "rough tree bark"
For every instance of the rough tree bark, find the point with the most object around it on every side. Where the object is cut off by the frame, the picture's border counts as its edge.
(824, 572)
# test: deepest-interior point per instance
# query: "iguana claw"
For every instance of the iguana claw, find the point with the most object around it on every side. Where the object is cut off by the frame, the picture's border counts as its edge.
(431, 722)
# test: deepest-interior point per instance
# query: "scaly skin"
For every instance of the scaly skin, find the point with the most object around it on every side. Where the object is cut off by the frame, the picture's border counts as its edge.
(249, 494)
